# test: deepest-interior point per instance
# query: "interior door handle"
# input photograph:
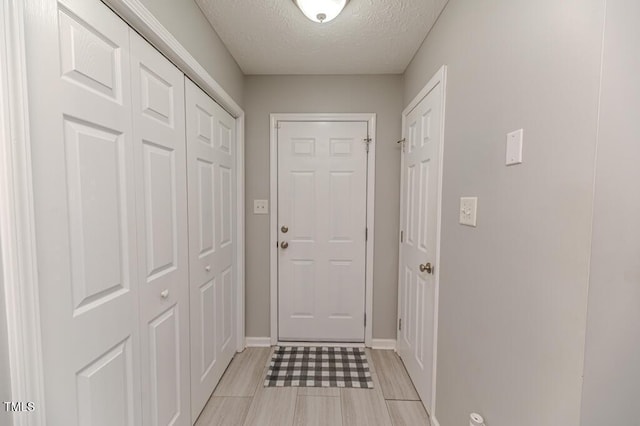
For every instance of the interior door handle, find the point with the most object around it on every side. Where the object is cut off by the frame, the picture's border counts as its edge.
(284, 244)
(426, 268)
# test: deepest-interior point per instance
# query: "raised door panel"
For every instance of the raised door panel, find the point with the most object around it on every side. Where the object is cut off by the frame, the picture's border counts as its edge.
(205, 205)
(302, 196)
(226, 307)
(98, 224)
(303, 302)
(160, 210)
(166, 371)
(226, 206)
(90, 58)
(84, 199)
(105, 389)
(160, 155)
(207, 336)
(212, 212)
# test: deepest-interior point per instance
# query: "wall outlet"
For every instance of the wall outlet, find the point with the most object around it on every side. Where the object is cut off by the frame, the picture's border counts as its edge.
(260, 206)
(468, 210)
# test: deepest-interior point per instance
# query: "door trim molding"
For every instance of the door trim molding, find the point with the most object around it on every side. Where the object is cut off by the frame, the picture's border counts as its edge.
(138, 17)
(440, 77)
(17, 224)
(385, 344)
(370, 118)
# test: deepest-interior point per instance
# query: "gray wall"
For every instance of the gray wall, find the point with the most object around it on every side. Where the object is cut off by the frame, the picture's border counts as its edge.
(612, 368)
(185, 20)
(273, 94)
(513, 291)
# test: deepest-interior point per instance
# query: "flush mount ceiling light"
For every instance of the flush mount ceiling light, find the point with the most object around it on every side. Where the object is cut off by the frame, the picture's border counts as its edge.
(321, 10)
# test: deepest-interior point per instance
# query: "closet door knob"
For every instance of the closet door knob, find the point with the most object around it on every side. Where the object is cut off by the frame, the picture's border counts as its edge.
(164, 294)
(284, 244)
(207, 268)
(426, 268)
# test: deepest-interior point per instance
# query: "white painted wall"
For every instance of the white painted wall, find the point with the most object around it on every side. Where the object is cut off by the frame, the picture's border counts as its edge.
(612, 364)
(513, 291)
(185, 20)
(381, 94)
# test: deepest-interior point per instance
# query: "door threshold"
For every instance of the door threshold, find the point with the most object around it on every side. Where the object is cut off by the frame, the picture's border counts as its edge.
(316, 344)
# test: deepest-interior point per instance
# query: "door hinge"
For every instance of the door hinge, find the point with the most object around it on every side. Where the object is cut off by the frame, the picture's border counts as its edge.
(366, 234)
(365, 319)
(400, 324)
(402, 236)
(402, 142)
(367, 141)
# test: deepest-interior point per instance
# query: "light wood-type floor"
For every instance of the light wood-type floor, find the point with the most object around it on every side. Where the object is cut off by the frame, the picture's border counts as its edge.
(241, 398)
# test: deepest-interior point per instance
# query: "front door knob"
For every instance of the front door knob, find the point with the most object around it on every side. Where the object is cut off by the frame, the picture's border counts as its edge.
(284, 244)
(284, 229)
(426, 268)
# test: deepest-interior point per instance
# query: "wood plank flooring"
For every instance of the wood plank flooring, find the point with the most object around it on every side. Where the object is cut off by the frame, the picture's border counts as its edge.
(393, 377)
(241, 399)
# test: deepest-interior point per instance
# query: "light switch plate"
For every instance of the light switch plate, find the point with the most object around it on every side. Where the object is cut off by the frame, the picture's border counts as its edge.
(260, 206)
(514, 147)
(468, 210)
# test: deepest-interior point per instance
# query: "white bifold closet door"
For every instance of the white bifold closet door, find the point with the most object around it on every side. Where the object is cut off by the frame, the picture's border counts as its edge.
(212, 217)
(157, 88)
(127, 338)
(82, 148)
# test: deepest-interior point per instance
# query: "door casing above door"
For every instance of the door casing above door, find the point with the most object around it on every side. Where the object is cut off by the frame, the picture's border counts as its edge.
(370, 118)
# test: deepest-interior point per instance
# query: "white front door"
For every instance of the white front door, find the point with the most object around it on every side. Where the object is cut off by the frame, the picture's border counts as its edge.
(157, 88)
(417, 304)
(85, 216)
(210, 164)
(322, 216)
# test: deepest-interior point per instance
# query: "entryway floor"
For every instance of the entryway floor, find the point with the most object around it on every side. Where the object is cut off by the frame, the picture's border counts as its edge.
(241, 398)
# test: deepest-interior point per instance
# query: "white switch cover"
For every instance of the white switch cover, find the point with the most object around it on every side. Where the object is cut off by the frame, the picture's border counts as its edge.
(468, 209)
(260, 206)
(514, 147)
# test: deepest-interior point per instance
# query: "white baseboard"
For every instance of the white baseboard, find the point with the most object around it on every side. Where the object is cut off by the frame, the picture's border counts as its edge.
(326, 344)
(261, 342)
(257, 342)
(383, 344)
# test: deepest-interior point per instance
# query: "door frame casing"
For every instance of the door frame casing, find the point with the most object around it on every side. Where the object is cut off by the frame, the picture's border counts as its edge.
(370, 119)
(440, 77)
(17, 224)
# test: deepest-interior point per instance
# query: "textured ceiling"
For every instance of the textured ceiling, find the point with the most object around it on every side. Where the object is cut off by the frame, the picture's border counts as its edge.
(368, 37)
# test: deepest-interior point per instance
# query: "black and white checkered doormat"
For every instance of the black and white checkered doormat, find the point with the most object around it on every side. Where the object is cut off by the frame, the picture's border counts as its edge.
(319, 367)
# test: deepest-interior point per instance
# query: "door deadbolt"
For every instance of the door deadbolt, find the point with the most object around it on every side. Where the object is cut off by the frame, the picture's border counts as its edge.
(284, 244)
(426, 268)
(284, 229)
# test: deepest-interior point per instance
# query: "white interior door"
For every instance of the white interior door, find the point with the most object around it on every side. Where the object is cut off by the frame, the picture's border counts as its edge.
(161, 198)
(322, 216)
(418, 251)
(84, 195)
(211, 170)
